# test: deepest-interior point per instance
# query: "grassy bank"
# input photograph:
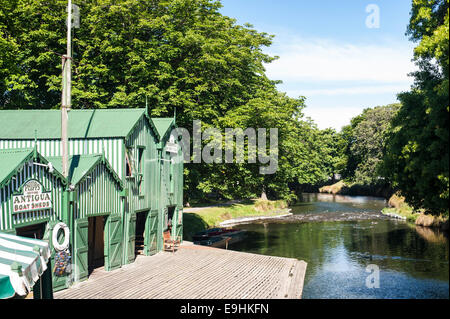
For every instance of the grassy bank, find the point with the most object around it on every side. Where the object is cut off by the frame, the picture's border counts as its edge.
(343, 188)
(398, 206)
(418, 217)
(332, 189)
(212, 216)
(409, 214)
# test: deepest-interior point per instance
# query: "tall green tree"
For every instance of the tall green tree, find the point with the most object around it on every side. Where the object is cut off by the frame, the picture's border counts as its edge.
(417, 154)
(179, 54)
(270, 109)
(365, 143)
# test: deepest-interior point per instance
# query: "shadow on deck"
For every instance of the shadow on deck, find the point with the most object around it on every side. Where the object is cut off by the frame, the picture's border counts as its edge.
(196, 272)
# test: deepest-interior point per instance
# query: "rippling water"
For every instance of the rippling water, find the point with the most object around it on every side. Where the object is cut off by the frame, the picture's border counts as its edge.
(412, 261)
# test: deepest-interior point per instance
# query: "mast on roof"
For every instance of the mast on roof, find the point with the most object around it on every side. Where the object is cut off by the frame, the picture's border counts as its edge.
(66, 99)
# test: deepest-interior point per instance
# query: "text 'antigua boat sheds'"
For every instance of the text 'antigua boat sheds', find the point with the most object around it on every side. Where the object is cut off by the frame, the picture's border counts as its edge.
(124, 187)
(33, 198)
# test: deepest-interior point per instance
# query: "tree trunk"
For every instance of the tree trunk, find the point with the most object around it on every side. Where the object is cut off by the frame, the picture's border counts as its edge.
(263, 195)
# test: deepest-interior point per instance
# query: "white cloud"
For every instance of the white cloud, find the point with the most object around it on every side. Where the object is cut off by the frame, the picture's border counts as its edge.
(335, 117)
(355, 90)
(314, 60)
(340, 79)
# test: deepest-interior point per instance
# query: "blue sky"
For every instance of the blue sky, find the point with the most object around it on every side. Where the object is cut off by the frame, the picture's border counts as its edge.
(329, 55)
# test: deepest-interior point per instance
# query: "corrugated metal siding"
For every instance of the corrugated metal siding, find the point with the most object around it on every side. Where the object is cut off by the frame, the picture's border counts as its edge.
(166, 195)
(111, 147)
(142, 136)
(179, 178)
(98, 194)
(172, 191)
(9, 221)
(155, 196)
(114, 151)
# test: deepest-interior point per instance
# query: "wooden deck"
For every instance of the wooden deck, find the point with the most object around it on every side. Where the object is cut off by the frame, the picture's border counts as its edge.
(196, 272)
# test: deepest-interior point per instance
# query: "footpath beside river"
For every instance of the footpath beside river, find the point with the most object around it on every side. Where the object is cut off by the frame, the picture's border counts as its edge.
(231, 213)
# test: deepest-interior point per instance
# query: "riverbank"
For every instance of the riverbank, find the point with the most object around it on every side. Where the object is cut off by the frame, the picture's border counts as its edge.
(398, 208)
(342, 188)
(339, 236)
(196, 219)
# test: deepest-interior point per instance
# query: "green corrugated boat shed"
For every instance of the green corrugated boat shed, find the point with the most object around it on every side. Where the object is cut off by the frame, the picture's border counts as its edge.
(124, 189)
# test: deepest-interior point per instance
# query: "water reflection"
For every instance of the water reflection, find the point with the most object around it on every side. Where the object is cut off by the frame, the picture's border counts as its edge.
(324, 203)
(432, 234)
(321, 197)
(413, 263)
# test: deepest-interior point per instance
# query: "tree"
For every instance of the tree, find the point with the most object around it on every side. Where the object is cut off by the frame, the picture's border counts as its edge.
(332, 148)
(351, 161)
(270, 109)
(179, 54)
(366, 139)
(417, 155)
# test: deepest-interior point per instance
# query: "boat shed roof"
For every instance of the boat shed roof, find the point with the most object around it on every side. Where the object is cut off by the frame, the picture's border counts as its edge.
(80, 166)
(46, 124)
(163, 125)
(12, 161)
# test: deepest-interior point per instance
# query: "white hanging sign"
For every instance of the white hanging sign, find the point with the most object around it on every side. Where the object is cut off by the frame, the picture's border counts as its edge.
(172, 147)
(34, 197)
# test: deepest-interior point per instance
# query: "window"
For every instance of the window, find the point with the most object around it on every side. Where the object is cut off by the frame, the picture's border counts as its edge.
(171, 178)
(134, 159)
(128, 163)
(135, 166)
(140, 160)
(140, 169)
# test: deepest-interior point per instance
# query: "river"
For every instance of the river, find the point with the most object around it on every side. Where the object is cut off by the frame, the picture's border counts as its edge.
(345, 240)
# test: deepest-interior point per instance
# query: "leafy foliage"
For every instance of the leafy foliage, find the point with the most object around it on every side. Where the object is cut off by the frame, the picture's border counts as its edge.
(366, 139)
(180, 54)
(417, 155)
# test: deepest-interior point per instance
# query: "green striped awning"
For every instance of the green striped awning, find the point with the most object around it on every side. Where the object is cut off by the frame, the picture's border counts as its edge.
(22, 262)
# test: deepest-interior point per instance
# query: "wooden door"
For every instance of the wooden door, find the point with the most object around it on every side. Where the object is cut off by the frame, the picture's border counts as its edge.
(152, 233)
(131, 238)
(81, 249)
(178, 221)
(113, 243)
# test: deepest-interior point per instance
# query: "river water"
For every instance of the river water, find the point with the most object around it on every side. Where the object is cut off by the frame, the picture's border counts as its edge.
(353, 251)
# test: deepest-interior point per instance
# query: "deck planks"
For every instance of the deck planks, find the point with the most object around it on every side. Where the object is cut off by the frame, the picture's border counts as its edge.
(196, 272)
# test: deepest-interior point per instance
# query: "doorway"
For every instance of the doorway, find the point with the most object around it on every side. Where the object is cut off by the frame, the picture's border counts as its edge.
(139, 247)
(33, 231)
(42, 288)
(96, 243)
(169, 218)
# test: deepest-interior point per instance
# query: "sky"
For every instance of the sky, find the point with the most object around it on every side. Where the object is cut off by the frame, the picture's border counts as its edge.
(343, 56)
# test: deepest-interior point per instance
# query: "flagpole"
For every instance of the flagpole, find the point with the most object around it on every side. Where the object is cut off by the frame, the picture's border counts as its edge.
(66, 94)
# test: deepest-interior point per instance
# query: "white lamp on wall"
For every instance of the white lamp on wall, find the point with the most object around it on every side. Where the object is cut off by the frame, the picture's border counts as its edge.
(50, 167)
